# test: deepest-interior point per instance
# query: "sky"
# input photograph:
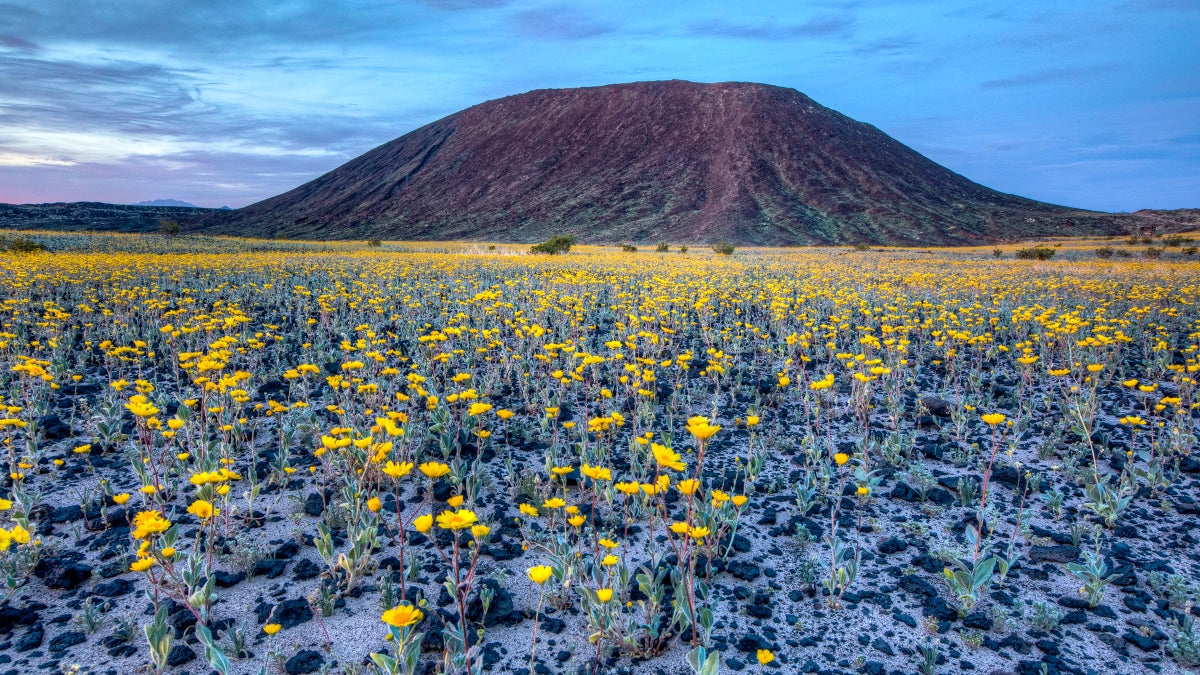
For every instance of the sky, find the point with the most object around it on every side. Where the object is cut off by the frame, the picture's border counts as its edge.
(1091, 104)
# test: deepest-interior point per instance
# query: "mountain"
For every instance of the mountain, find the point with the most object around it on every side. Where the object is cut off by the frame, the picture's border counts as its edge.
(166, 202)
(655, 161)
(95, 216)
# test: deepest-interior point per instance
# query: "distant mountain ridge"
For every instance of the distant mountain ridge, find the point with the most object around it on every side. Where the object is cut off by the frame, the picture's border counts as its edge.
(654, 161)
(166, 202)
(95, 216)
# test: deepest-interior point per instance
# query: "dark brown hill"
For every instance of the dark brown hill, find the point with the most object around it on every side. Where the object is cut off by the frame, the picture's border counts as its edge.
(95, 216)
(654, 161)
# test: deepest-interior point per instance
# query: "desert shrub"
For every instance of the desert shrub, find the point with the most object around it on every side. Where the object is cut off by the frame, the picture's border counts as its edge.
(20, 245)
(1122, 253)
(683, 249)
(862, 247)
(997, 253)
(374, 243)
(629, 248)
(1153, 252)
(168, 227)
(1036, 253)
(724, 248)
(662, 247)
(1104, 252)
(1175, 240)
(1188, 250)
(554, 245)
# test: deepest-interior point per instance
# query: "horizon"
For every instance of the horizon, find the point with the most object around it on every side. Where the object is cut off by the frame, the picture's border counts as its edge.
(227, 105)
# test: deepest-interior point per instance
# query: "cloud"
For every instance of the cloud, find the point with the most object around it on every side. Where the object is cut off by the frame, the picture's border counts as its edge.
(1049, 76)
(58, 94)
(818, 26)
(460, 5)
(14, 42)
(559, 23)
(185, 26)
(147, 100)
(895, 45)
(1161, 5)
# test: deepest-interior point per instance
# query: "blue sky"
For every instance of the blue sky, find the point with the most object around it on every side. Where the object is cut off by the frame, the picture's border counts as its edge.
(1090, 104)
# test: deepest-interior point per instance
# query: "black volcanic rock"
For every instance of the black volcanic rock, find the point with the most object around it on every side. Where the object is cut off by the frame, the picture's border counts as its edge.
(653, 161)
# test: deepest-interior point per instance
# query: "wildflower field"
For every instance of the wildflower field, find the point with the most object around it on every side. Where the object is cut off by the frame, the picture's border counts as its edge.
(451, 458)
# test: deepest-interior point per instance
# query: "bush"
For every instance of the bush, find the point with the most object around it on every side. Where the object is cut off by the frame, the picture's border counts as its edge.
(997, 253)
(1104, 252)
(1036, 253)
(662, 247)
(724, 248)
(683, 249)
(1188, 250)
(1153, 252)
(554, 245)
(168, 227)
(20, 245)
(1175, 240)
(1123, 253)
(374, 243)
(629, 248)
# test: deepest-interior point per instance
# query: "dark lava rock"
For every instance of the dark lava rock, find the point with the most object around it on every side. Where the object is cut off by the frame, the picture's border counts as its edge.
(761, 607)
(1142, 642)
(314, 505)
(1072, 602)
(228, 579)
(179, 655)
(307, 569)
(305, 661)
(270, 568)
(904, 492)
(744, 570)
(287, 551)
(500, 611)
(978, 621)
(114, 588)
(61, 573)
(289, 613)
(940, 497)
(751, 643)
(32, 639)
(11, 617)
(65, 641)
(1135, 603)
(1059, 553)
(53, 428)
(892, 545)
(937, 407)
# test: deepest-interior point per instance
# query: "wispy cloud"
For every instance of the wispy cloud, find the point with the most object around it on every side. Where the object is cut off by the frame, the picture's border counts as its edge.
(561, 23)
(818, 26)
(14, 42)
(460, 5)
(1049, 76)
(892, 45)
